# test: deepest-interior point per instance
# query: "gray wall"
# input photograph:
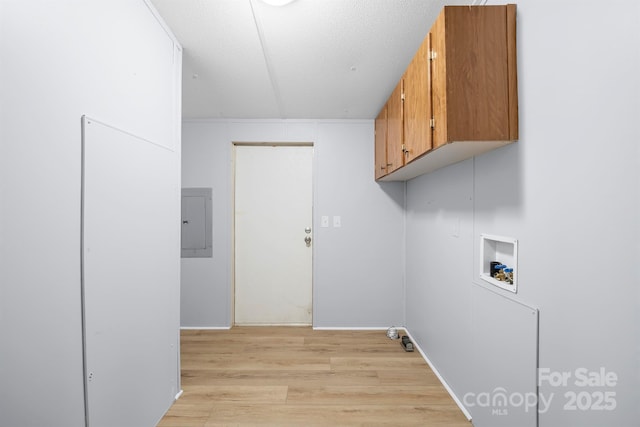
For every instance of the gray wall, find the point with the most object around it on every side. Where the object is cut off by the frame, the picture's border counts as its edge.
(113, 61)
(357, 276)
(568, 191)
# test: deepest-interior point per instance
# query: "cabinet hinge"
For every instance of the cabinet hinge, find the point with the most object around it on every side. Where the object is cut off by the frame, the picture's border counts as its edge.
(402, 96)
(403, 149)
(432, 123)
(432, 55)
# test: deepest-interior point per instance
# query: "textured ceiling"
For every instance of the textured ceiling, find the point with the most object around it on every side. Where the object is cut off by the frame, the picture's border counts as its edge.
(312, 59)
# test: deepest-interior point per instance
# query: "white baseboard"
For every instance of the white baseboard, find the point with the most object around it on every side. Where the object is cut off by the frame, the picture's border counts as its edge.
(350, 328)
(260, 325)
(178, 395)
(205, 328)
(444, 383)
(319, 328)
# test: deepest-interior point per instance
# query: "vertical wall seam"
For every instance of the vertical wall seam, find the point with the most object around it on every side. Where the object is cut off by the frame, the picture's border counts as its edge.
(404, 255)
(82, 281)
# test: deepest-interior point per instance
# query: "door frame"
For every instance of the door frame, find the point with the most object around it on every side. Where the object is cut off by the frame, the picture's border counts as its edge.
(234, 145)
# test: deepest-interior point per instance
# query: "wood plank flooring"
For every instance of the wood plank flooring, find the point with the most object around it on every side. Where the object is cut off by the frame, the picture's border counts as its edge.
(295, 376)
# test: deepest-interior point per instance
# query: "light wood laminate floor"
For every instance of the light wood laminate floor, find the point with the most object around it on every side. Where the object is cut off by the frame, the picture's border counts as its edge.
(297, 376)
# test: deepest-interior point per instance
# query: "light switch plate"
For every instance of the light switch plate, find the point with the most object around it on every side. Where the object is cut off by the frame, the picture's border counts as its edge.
(336, 221)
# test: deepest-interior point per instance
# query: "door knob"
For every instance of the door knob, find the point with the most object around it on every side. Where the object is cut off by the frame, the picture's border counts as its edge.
(307, 230)
(307, 240)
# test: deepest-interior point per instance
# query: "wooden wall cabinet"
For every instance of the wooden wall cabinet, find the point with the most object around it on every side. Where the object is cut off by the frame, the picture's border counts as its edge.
(458, 96)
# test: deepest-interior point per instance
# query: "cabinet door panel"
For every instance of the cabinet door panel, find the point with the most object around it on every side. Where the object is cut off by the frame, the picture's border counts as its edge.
(394, 130)
(417, 104)
(477, 73)
(439, 81)
(381, 144)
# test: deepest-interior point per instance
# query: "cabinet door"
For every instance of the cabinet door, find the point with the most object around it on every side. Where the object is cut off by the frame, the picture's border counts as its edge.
(417, 104)
(474, 74)
(395, 157)
(439, 81)
(381, 144)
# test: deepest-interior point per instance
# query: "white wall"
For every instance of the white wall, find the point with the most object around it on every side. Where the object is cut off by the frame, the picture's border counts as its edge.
(112, 61)
(357, 276)
(568, 191)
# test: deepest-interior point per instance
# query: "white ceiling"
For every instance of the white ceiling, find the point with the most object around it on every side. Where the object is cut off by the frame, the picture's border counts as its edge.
(311, 59)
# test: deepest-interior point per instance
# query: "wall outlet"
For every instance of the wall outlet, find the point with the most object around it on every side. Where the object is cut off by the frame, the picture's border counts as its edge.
(324, 221)
(336, 221)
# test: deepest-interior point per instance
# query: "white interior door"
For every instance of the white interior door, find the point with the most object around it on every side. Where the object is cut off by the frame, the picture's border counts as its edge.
(273, 217)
